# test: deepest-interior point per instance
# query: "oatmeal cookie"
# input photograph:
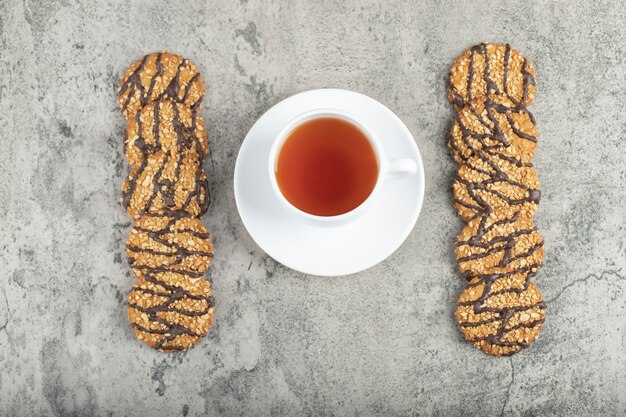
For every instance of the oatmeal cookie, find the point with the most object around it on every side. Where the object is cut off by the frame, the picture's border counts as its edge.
(170, 311)
(487, 245)
(501, 313)
(169, 243)
(492, 70)
(484, 125)
(163, 184)
(156, 76)
(488, 184)
(167, 126)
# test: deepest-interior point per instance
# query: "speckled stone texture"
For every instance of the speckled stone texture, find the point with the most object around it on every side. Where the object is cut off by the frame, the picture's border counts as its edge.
(382, 342)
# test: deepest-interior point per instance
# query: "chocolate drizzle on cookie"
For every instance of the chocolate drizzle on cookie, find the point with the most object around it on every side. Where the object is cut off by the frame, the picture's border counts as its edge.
(479, 82)
(133, 87)
(534, 311)
(492, 178)
(170, 247)
(493, 138)
(503, 244)
(169, 296)
(186, 151)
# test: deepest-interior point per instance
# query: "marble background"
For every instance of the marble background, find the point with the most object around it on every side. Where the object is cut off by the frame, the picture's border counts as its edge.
(382, 342)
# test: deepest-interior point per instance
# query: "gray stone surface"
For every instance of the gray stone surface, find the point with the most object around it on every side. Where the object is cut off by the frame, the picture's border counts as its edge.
(382, 342)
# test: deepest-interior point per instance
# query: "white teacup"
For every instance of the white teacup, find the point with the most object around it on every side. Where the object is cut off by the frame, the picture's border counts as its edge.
(388, 169)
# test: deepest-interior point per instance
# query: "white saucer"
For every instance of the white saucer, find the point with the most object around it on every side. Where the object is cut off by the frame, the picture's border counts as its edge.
(328, 251)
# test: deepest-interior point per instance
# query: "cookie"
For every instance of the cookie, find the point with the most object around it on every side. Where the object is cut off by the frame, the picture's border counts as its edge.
(164, 125)
(502, 313)
(492, 70)
(488, 184)
(483, 125)
(164, 243)
(170, 311)
(164, 184)
(489, 246)
(156, 76)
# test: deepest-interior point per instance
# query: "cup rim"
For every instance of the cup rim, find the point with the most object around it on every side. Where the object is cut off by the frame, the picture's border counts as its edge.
(283, 134)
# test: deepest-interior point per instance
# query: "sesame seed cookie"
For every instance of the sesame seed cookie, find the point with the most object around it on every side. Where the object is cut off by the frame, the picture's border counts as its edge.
(170, 311)
(492, 70)
(164, 125)
(156, 76)
(169, 243)
(490, 246)
(162, 184)
(488, 184)
(501, 313)
(483, 125)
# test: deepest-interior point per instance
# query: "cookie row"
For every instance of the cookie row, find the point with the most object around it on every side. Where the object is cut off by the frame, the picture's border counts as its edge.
(169, 250)
(496, 192)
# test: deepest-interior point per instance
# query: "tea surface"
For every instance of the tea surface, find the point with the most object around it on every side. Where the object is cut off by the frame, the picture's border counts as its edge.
(326, 167)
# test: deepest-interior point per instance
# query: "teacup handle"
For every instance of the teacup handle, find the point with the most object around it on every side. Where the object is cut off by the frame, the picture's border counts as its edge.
(400, 168)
